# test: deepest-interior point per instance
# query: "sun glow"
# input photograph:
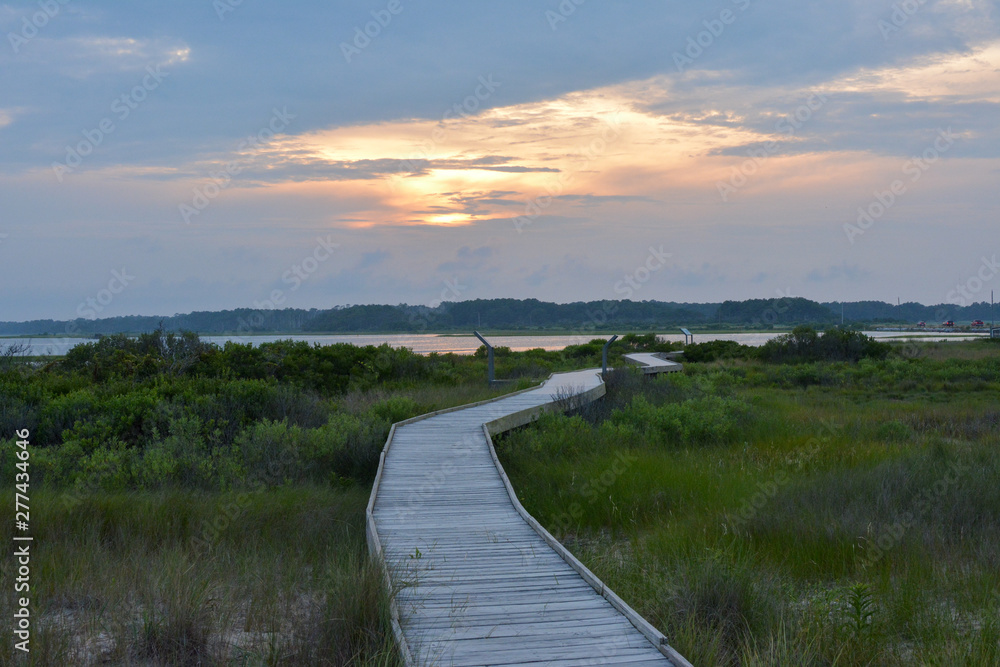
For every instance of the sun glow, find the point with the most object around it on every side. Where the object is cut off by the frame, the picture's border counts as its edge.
(449, 219)
(492, 165)
(603, 145)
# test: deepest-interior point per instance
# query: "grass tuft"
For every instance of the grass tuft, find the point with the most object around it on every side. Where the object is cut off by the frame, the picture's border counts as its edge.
(825, 513)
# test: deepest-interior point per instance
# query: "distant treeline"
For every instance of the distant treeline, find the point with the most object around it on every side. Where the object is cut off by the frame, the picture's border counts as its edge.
(911, 312)
(515, 314)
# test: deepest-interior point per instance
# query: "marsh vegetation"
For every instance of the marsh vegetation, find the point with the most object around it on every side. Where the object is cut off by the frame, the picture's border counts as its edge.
(811, 513)
(203, 505)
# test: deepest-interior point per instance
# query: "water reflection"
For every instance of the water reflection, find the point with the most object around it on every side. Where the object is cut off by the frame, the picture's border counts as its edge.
(427, 343)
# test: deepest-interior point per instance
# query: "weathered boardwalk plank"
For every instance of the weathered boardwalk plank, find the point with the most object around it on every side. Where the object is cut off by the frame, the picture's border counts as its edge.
(478, 581)
(651, 363)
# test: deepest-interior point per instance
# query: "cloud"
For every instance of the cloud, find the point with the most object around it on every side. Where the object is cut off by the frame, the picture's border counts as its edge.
(477, 202)
(91, 56)
(588, 132)
(275, 167)
(373, 258)
(838, 273)
(593, 200)
(537, 277)
(468, 259)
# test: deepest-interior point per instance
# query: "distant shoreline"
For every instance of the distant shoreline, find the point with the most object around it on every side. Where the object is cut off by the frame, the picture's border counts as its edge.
(902, 333)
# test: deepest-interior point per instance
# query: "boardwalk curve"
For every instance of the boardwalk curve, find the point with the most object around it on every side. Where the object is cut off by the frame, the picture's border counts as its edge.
(478, 581)
(651, 362)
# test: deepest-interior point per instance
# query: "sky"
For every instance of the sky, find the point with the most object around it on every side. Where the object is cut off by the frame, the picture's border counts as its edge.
(162, 158)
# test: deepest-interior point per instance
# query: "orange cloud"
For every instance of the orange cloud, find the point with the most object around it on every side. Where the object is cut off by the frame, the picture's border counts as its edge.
(610, 144)
(586, 142)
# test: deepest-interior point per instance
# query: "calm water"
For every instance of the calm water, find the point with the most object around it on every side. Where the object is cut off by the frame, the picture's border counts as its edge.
(427, 343)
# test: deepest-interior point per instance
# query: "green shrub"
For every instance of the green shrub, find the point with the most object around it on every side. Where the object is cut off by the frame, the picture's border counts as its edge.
(585, 351)
(804, 344)
(270, 453)
(633, 342)
(718, 349)
(163, 410)
(62, 412)
(395, 409)
(109, 467)
(696, 421)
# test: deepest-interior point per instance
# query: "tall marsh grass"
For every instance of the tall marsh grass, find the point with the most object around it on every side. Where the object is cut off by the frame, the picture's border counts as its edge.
(156, 578)
(825, 513)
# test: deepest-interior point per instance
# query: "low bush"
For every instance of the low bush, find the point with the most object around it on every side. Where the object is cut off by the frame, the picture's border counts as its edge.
(805, 513)
(718, 349)
(804, 344)
(708, 420)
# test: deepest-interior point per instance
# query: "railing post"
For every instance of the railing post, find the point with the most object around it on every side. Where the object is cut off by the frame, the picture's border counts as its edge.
(489, 355)
(604, 355)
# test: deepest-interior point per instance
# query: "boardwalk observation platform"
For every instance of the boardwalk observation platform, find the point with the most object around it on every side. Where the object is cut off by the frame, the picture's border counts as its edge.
(477, 580)
(652, 363)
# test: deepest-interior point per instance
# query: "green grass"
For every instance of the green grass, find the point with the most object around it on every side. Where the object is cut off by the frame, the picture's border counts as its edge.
(167, 569)
(823, 514)
(180, 578)
(206, 507)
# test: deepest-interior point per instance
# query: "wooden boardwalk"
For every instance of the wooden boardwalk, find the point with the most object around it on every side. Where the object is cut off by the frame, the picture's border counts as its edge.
(478, 581)
(651, 363)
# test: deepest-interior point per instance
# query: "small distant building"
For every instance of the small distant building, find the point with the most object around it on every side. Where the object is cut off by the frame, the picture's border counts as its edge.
(995, 332)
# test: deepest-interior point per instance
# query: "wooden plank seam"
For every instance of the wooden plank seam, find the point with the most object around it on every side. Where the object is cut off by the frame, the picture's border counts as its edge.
(503, 421)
